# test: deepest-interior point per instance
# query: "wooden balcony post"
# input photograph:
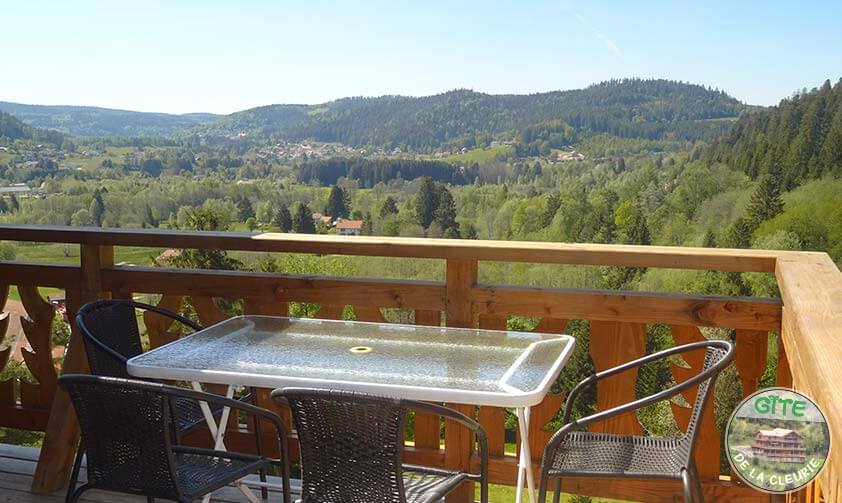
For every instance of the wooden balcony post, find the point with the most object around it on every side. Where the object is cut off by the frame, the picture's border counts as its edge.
(458, 440)
(62, 435)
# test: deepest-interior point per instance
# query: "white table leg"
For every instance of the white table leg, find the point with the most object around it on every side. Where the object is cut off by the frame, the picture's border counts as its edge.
(217, 431)
(525, 461)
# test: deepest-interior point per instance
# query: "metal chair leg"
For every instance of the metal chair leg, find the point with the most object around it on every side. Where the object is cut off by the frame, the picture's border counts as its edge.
(77, 493)
(258, 434)
(697, 484)
(74, 475)
(688, 488)
(557, 492)
(542, 488)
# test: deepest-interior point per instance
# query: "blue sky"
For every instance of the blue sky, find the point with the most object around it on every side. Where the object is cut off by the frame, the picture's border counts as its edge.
(210, 56)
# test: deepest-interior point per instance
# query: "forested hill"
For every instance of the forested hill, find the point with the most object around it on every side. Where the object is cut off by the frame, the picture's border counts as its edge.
(631, 108)
(799, 139)
(13, 129)
(94, 121)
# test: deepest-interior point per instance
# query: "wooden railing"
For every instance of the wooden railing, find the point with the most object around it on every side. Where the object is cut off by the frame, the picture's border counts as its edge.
(809, 318)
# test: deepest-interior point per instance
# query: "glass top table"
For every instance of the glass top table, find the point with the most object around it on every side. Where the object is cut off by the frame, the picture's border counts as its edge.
(469, 366)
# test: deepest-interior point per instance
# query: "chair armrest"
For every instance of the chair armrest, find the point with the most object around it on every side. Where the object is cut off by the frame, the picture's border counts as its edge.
(574, 393)
(167, 313)
(479, 431)
(248, 408)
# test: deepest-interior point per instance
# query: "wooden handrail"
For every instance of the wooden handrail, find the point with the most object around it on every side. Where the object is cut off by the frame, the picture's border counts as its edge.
(811, 288)
(503, 251)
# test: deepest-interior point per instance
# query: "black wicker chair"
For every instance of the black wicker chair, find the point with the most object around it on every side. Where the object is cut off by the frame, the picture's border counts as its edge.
(112, 336)
(126, 433)
(351, 446)
(571, 451)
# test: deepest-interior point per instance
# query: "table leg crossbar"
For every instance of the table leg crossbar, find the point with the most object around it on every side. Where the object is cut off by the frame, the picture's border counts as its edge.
(217, 432)
(525, 461)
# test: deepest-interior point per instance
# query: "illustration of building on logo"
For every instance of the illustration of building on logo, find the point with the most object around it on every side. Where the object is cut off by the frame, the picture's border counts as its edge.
(780, 445)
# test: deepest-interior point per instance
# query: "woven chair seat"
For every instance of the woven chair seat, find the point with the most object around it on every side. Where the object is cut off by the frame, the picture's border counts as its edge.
(586, 453)
(197, 472)
(419, 483)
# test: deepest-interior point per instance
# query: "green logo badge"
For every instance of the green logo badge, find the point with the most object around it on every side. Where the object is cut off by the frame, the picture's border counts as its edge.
(777, 440)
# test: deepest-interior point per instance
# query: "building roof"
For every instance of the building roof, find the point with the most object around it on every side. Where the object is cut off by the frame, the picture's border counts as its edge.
(778, 432)
(166, 257)
(15, 189)
(349, 224)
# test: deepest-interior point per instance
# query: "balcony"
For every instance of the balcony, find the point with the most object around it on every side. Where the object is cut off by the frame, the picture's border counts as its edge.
(808, 318)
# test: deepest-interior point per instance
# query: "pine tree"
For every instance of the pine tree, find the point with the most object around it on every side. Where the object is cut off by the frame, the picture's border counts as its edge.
(390, 207)
(766, 201)
(337, 203)
(445, 214)
(426, 202)
(469, 231)
(4, 207)
(149, 217)
(97, 208)
(302, 220)
(739, 234)
(244, 209)
(709, 241)
(14, 205)
(831, 153)
(553, 204)
(282, 218)
(368, 225)
(206, 220)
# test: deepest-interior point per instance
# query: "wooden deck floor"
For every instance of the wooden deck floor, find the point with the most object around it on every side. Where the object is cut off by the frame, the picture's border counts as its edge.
(17, 464)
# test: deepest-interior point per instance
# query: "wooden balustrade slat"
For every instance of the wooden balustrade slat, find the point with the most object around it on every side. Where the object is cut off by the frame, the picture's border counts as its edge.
(549, 325)
(268, 307)
(37, 329)
(493, 321)
(461, 278)
(427, 426)
(611, 344)
(493, 419)
(160, 328)
(263, 306)
(330, 312)
(368, 313)
(783, 376)
(207, 310)
(707, 444)
(751, 358)
(62, 433)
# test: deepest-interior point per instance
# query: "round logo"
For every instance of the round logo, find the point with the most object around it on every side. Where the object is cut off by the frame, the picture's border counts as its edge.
(777, 440)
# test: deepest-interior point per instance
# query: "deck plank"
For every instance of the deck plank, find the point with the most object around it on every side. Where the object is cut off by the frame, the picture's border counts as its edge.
(17, 466)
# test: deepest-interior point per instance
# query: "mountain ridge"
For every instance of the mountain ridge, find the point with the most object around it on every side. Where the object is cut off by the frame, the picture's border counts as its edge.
(650, 108)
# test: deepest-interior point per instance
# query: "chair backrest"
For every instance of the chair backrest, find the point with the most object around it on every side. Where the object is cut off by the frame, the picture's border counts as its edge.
(111, 333)
(718, 354)
(351, 446)
(125, 434)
